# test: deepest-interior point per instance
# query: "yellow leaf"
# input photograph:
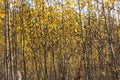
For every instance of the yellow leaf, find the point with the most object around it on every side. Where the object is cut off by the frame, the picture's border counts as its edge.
(106, 1)
(112, 1)
(76, 30)
(83, 4)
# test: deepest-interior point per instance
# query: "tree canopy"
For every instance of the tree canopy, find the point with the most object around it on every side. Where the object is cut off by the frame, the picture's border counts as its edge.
(60, 39)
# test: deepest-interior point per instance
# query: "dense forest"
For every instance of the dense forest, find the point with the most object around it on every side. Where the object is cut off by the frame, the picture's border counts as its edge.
(59, 40)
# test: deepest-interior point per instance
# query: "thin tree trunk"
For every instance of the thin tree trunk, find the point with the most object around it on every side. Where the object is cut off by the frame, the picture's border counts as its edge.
(23, 44)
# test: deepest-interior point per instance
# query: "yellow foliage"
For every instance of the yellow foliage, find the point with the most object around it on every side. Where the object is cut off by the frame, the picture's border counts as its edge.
(60, 33)
(83, 4)
(106, 1)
